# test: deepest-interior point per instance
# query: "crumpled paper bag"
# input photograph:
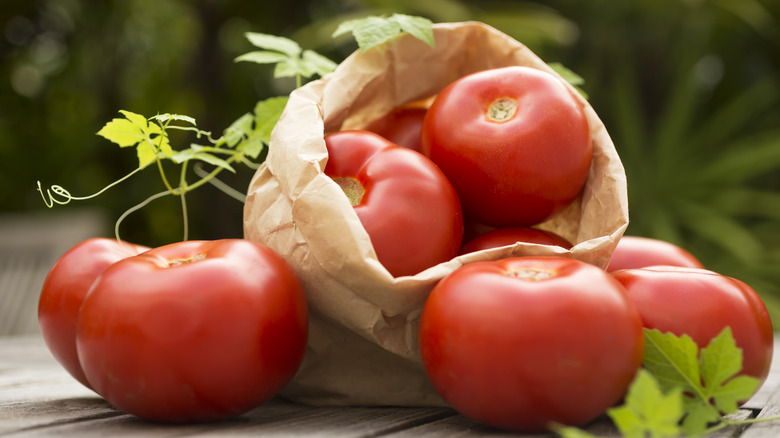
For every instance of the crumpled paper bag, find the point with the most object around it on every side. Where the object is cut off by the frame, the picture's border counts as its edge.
(363, 346)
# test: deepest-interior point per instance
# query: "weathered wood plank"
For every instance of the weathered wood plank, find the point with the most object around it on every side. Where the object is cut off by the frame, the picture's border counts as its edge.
(30, 243)
(38, 398)
(770, 409)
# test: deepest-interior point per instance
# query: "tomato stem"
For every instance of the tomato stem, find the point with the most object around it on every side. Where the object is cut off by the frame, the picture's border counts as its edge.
(502, 109)
(193, 259)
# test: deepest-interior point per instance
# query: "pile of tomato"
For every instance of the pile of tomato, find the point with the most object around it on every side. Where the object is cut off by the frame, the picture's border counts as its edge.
(198, 331)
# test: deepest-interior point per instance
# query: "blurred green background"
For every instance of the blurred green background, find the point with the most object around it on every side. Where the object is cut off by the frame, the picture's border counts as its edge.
(688, 89)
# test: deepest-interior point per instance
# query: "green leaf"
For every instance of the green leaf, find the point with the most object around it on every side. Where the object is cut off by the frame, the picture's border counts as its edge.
(163, 146)
(197, 152)
(672, 360)
(122, 132)
(134, 130)
(419, 27)
(267, 113)
(136, 119)
(146, 153)
(290, 59)
(275, 43)
(238, 130)
(162, 118)
(317, 63)
(648, 410)
(720, 361)
(375, 30)
(263, 57)
(708, 376)
(699, 416)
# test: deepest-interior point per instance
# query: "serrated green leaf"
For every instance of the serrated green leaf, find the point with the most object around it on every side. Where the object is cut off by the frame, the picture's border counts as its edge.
(274, 42)
(699, 416)
(262, 57)
(344, 27)
(162, 118)
(672, 360)
(720, 361)
(163, 146)
(317, 63)
(197, 152)
(146, 154)
(123, 132)
(289, 68)
(419, 27)
(252, 146)
(375, 30)
(136, 119)
(648, 410)
(267, 113)
(239, 130)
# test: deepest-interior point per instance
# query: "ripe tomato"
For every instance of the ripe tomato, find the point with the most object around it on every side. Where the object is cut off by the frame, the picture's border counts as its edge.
(701, 303)
(514, 141)
(520, 342)
(401, 126)
(634, 252)
(511, 235)
(63, 292)
(407, 206)
(193, 331)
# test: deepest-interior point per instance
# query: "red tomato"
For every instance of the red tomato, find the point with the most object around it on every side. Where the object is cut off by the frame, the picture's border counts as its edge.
(407, 206)
(520, 342)
(193, 331)
(701, 303)
(514, 141)
(401, 126)
(64, 289)
(511, 235)
(638, 252)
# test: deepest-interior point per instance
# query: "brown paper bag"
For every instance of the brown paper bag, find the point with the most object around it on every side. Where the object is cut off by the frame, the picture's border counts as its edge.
(363, 346)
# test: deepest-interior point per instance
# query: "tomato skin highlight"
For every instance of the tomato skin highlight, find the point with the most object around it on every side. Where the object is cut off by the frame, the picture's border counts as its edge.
(701, 303)
(519, 171)
(634, 252)
(64, 289)
(193, 331)
(521, 342)
(409, 209)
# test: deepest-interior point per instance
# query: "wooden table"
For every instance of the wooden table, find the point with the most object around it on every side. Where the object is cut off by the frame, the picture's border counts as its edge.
(38, 398)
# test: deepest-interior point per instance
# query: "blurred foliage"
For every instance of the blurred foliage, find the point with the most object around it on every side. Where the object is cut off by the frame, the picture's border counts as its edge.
(688, 89)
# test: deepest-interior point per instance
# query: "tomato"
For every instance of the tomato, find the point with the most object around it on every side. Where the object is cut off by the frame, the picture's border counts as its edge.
(514, 141)
(701, 303)
(638, 252)
(407, 206)
(64, 289)
(520, 342)
(193, 331)
(511, 235)
(401, 126)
